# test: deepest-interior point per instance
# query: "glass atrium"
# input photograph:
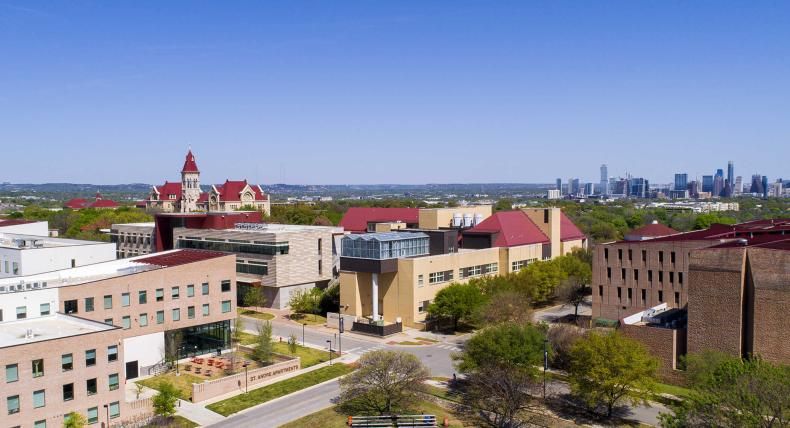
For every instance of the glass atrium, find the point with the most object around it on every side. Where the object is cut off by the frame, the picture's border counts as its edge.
(386, 245)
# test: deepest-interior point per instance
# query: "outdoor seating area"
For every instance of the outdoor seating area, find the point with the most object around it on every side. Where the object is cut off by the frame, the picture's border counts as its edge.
(210, 366)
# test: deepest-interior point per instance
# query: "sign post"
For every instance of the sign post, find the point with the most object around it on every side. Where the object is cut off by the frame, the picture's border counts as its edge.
(341, 328)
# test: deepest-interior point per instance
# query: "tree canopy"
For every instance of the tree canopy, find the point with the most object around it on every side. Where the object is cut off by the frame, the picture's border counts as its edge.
(458, 302)
(519, 345)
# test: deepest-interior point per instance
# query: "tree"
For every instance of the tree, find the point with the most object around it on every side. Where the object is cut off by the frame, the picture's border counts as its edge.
(173, 346)
(507, 306)
(386, 382)
(165, 400)
(254, 297)
(505, 344)
(730, 392)
(265, 347)
(458, 302)
(543, 277)
(562, 337)
(607, 369)
(292, 344)
(572, 291)
(306, 302)
(74, 420)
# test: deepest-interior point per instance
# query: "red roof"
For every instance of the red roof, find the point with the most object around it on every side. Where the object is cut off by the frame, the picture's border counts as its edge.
(356, 219)
(189, 163)
(179, 257)
(653, 230)
(512, 228)
(14, 222)
(169, 189)
(231, 191)
(104, 203)
(568, 230)
(76, 203)
(203, 197)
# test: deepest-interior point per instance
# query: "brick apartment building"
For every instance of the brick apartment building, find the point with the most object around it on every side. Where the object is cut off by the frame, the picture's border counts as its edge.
(70, 339)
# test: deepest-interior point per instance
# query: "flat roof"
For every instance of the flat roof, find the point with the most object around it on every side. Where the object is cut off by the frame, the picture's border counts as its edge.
(145, 224)
(386, 236)
(105, 270)
(55, 326)
(29, 242)
(278, 227)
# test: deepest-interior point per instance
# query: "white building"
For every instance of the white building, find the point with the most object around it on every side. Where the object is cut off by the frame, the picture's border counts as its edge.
(23, 254)
(553, 194)
(25, 227)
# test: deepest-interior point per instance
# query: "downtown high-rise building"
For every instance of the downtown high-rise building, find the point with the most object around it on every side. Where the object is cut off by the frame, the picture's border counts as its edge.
(559, 184)
(757, 184)
(573, 186)
(604, 186)
(738, 189)
(730, 173)
(707, 183)
(681, 181)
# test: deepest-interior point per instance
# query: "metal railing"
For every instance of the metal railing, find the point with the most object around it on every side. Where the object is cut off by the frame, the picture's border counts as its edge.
(415, 421)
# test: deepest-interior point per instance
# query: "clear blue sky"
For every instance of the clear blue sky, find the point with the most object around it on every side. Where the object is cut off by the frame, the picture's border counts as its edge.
(392, 92)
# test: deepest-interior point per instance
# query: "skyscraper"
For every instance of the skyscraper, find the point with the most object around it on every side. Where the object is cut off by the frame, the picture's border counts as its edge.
(604, 188)
(738, 189)
(718, 185)
(765, 186)
(559, 184)
(681, 181)
(730, 172)
(757, 184)
(720, 173)
(574, 188)
(639, 188)
(707, 183)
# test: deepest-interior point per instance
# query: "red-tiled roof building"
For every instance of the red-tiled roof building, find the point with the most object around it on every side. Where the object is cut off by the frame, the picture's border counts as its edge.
(98, 202)
(187, 196)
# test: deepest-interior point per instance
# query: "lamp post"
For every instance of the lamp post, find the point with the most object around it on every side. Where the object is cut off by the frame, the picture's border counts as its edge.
(303, 324)
(329, 343)
(545, 364)
(245, 376)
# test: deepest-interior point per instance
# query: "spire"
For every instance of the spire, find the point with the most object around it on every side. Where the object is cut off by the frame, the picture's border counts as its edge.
(189, 163)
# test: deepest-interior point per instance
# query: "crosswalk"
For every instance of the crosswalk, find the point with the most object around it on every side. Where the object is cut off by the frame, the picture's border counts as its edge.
(449, 347)
(360, 350)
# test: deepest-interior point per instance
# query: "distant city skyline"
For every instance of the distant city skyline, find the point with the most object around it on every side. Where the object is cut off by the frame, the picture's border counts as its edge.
(392, 92)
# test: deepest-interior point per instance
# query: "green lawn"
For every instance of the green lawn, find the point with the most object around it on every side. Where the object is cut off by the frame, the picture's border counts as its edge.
(279, 389)
(677, 391)
(247, 338)
(183, 382)
(330, 418)
(309, 319)
(255, 314)
(174, 422)
(425, 339)
(309, 356)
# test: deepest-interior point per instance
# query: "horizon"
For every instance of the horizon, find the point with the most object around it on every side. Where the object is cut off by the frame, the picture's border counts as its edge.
(403, 93)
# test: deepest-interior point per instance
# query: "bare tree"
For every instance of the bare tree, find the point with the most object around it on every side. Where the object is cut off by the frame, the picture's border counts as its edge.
(502, 395)
(508, 306)
(572, 291)
(386, 382)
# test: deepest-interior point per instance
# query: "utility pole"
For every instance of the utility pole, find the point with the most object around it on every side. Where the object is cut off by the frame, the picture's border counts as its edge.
(545, 364)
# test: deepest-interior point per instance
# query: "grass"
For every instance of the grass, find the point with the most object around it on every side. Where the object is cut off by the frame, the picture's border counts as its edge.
(425, 339)
(247, 338)
(677, 391)
(330, 418)
(279, 389)
(183, 383)
(255, 314)
(175, 422)
(408, 343)
(309, 356)
(309, 319)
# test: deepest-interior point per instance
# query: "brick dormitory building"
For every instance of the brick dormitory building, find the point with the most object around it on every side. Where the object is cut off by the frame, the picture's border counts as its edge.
(726, 288)
(69, 339)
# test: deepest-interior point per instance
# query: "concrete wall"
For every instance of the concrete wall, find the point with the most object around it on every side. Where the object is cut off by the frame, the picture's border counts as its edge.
(39, 260)
(438, 218)
(38, 228)
(550, 228)
(236, 383)
(30, 299)
(147, 350)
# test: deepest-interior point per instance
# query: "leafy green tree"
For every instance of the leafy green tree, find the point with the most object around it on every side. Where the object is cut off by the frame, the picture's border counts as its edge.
(265, 346)
(164, 401)
(254, 297)
(306, 302)
(507, 306)
(607, 369)
(506, 344)
(74, 420)
(292, 344)
(386, 383)
(730, 392)
(458, 302)
(543, 276)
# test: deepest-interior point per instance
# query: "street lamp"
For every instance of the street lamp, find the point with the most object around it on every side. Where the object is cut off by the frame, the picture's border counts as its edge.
(545, 364)
(303, 324)
(329, 343)
(245, 376)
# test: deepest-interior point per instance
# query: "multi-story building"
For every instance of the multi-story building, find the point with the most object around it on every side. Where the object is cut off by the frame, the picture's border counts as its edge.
(559, 184)
(604, 184)
(24, 227)
(278, 258)
(552, 194)
(22, 254)
(393, 276)
(707, 183)
(186, 196)
(364, 219)
(69, 339)
(738, 189)
(681, 181)
(98, 203)
(133, 239)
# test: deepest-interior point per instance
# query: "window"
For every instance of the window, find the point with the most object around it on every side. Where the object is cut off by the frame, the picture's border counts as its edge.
(143, 320)
(650, 275)
(108, 321)
(319, 246)
(492, 268)
(606, 254)
(73, 263)
(677, 299)
(636, 274)
(620, 254)
(680, 277)
(644, 297)
(89, 304)
(160, 317)
(320, 268)
(112, 353)
(43, 309)
(225, 306)
(225, 284)
(661, 276)
(21, 312)
(436, 277)
(125, 299)
(90, 386)
(38, 367)
(175, 293)
(115, 410)
(622, 274)
(160, 294)
(142, 297)
(423, 306)
(176, 314)
(93, 415)
(644, 256)
(112, 380)
(68, 392)
(15, 269)
(600, 290)
(66, 362)
(191, 312)
(126, 322)
(660, 296)
(630, 295)
(661, 257)
(13, 404)
(90, 357)
(630, 255)
(672, 257)
(39, 398)
(11, 373)
(70, 307)
(205, 288)
(671, 277)
(190, 290)
(205, 309)
(619, 294)
(420, 281)
(40, 424)
(107, 302)
(609, 273)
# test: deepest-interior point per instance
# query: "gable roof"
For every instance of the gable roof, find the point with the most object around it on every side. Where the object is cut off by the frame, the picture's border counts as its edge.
(104, 203)
(653, 230)
(168, 189)
(568, 230)
(356, 219)
(76, 203)
(231, 191)
(189, 163)
(512, 228)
